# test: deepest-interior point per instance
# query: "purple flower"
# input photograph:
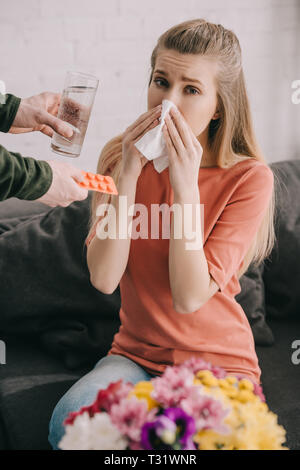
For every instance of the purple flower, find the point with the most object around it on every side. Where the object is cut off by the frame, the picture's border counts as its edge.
(173, 429)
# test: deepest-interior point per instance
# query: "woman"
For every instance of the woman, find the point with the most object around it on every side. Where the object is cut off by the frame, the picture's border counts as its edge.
(177, 303)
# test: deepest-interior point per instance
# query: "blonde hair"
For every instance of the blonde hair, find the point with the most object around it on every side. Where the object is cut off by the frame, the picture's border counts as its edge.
(230, 138)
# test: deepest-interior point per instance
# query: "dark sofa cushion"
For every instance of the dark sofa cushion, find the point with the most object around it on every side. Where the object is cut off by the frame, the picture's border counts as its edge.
(46, 290)
(44, 259)
(252, 300)
(16, 208)
(282, 272)
(281, 378)
(31, 384)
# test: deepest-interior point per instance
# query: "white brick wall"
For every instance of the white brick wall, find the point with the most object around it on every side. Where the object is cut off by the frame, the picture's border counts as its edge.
(41, 40)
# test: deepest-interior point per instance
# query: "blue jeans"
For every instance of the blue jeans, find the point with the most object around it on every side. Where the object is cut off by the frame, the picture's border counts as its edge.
(83, 392)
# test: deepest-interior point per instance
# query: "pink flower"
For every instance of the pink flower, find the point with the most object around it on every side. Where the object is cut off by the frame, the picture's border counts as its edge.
(104, 400)
(195, 364)
(134, 445)
(207, 411)
(129, 415)
(259, 391)
(172, 386)
(115, 392)
(72, 415)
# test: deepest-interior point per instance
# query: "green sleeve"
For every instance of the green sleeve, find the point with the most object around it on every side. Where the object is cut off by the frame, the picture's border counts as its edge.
(9, 105)
(23, 177)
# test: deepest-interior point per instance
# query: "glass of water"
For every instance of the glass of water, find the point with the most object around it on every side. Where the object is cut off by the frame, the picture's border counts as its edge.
(75, 108)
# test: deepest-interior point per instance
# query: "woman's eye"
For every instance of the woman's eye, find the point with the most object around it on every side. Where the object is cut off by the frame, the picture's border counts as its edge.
(159, 80)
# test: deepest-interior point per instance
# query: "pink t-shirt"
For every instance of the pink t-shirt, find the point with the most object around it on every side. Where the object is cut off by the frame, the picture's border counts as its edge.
(152, 333)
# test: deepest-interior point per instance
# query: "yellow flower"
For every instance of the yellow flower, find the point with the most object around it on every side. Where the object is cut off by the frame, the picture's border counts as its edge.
(223, 383)
(197, 382)
(246, 384)
(252, 425)
(142, 390)
(231, 393)
(211, 440)
(231, 379)
(245, 396)
(207, 378)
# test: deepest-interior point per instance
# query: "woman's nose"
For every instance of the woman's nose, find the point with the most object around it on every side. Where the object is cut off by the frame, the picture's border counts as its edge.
(173, 99)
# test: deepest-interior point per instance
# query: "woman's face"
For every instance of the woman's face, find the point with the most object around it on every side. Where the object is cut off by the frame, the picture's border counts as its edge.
(196, 101)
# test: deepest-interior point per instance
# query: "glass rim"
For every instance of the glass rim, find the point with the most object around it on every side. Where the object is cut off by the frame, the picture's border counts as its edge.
(83, 74)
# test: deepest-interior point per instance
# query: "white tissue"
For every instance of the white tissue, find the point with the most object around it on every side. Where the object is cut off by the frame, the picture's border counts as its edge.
(152, 145)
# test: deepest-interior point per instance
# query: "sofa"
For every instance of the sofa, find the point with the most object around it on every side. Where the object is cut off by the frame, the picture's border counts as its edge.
(54, 325)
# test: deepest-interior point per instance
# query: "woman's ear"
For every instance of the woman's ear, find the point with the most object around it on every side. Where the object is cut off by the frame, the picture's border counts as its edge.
(217, 115)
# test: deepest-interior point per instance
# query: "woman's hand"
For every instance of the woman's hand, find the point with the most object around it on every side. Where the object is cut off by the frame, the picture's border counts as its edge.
(184, 152)
(132, 159)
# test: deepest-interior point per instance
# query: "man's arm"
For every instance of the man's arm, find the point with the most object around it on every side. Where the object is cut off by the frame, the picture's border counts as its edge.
(36, 113)
(8, 111)
(23, 177)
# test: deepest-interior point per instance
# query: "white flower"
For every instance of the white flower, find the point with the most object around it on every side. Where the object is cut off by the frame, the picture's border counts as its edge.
(92, 433)
(77, 435)
(105, 435)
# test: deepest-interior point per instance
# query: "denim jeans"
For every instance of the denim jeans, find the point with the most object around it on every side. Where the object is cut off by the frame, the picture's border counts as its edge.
(83, 392)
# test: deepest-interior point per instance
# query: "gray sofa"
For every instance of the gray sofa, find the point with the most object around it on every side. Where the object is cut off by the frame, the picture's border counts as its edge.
(56, 326)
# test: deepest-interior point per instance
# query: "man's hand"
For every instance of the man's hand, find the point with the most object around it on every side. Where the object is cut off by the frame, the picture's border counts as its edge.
(64, 190)
(38, 113)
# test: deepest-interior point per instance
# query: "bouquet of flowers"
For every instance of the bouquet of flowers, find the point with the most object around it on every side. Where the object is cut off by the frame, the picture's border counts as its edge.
(193, 406)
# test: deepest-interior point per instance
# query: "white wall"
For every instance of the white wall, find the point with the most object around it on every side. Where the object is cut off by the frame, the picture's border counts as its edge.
(40, 40)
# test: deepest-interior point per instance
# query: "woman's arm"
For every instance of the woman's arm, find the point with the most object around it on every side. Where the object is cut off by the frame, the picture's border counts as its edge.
(107, 259)
(190, 280)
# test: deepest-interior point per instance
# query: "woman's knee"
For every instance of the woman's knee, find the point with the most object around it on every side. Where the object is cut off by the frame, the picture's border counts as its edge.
(83, 392)
(72, 400)
(116, 367)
